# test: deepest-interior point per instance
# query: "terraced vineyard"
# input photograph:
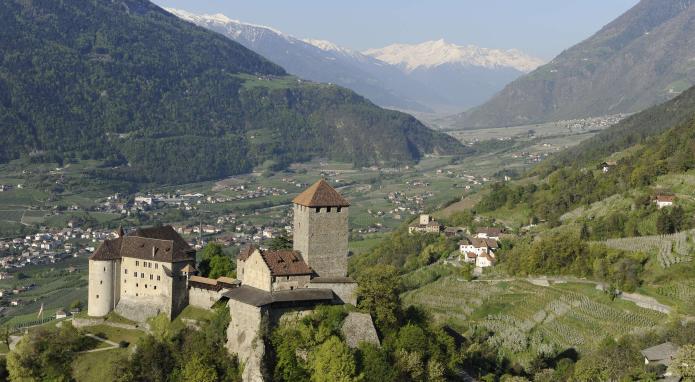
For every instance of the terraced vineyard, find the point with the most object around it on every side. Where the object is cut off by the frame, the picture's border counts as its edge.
(681, 291)
(528, 319)
(670, 249)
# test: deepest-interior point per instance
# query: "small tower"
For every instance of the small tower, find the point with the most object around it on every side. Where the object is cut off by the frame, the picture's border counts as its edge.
(321, 229)
(104, 277)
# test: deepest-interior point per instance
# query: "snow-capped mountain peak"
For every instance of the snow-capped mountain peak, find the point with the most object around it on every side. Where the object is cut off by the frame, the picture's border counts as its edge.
(217, 19)
(437, 52)
(327, 46)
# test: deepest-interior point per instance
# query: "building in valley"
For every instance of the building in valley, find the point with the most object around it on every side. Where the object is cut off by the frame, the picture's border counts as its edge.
(425, 224)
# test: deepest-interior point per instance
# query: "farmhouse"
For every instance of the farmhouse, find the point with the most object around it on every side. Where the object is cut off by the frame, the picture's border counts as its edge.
(488, 233)
(426, 224)
(664, 200)
(661, 354)
(480, 251)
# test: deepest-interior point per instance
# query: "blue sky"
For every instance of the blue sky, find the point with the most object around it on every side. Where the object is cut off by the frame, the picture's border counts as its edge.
(540, 27)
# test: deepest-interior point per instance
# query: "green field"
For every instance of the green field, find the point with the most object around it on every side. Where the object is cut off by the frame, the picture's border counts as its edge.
(528, 319)
(55, 288)
(98, 366)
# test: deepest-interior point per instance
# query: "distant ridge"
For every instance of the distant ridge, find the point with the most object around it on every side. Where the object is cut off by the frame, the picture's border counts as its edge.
(463, 76)
(642, 58)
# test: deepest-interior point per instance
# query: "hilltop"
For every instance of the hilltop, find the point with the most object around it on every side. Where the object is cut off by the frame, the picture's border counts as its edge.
(638, 60)
(160, 100)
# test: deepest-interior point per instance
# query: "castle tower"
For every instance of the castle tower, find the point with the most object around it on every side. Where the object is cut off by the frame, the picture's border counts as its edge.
(321, 229)
(104, 277)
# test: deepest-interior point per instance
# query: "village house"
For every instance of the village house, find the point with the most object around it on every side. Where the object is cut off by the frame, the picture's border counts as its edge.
(489, 233)
(661, 354)
(606, 166)
(479, 251)
(426, 224)
(664, 200)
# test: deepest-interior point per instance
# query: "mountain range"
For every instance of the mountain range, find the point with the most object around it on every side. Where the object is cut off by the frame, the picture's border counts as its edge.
(642, 58)
(433, 77)
(158, 99)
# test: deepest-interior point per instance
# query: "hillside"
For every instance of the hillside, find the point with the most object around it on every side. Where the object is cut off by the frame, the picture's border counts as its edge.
(638, 60)
(158, 99)
(631, 131)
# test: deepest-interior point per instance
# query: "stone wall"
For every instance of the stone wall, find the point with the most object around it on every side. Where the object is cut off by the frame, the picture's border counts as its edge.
(290, 282)
(322, 238)
(255, 273)
(358, 328)
(179, 289)
(202, 298)
(142, 308)
(345, 291)
(245, 333)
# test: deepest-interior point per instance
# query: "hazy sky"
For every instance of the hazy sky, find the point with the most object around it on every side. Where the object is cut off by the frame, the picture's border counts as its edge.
(540, 27)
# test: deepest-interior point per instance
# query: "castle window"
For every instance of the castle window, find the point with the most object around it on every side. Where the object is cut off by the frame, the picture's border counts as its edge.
(100, 282)
(157, 278)
(137, 285)
(318, 209)
(97, 296)
(150, 277)
(156, 265)
(104, 269)
(328, 209)
(145, 286)
(125, 271)
(142, 275)
(339, 208)
(135, 274)
(137, 263)
(136, 295)
(155, 287)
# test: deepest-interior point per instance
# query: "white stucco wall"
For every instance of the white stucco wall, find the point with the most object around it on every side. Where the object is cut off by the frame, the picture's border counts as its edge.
(104, 292)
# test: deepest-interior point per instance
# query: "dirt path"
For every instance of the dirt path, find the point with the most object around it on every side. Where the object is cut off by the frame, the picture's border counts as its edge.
(113, 344)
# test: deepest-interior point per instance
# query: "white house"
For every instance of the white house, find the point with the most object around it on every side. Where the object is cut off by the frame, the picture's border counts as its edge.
(485, 260)
(477, 245)
(664, 200)
(478, 251)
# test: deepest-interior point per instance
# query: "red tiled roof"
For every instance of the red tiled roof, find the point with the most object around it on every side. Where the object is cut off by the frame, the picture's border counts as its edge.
(490, 231)
(285, 263)
(665, 198)
(110, 249)
(320, 194)
(246, 252)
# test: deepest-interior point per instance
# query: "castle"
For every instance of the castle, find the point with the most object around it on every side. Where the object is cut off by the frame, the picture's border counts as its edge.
(152, 271)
